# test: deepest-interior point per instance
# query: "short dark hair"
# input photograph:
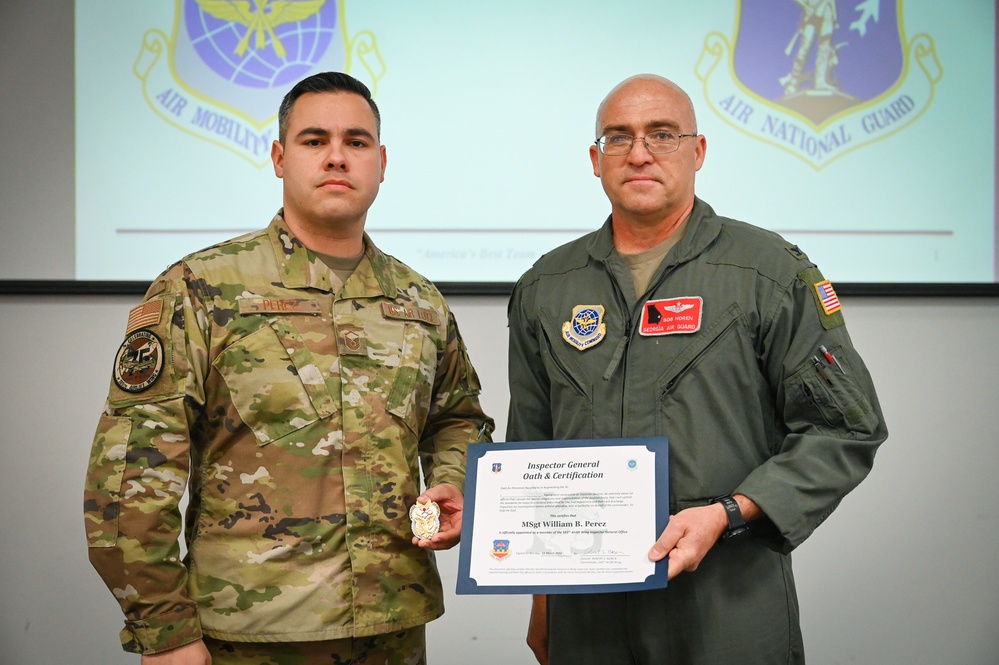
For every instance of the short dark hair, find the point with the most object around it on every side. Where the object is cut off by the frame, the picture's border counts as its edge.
(325, 82)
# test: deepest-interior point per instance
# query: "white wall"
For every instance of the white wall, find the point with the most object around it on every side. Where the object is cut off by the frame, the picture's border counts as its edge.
(904, 572)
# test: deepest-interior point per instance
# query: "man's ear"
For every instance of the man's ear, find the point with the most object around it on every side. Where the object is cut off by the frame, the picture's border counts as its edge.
(277, 158)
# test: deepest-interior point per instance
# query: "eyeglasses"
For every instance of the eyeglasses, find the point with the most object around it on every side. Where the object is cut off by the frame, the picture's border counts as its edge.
(658, 143)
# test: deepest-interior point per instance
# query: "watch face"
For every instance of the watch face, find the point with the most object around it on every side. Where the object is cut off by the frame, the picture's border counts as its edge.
(733, 533)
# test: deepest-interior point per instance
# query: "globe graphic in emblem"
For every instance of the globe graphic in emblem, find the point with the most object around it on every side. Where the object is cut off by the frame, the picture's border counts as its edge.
(251, 54)
(585, 322)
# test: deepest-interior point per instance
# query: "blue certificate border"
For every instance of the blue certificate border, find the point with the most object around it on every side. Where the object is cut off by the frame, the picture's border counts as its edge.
(466, 585)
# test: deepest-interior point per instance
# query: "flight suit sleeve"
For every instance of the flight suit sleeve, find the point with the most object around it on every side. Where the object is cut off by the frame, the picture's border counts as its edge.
(456, 418)
(832, 421)
(140, 463)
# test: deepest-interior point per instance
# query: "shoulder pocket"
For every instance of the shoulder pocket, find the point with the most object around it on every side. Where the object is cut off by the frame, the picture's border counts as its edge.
(821, 394)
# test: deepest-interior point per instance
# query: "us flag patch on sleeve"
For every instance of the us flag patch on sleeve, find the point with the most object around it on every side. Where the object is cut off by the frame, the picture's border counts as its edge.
(145, 315)
(827, 297)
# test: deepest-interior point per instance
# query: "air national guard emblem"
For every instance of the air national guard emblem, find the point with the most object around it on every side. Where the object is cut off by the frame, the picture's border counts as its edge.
(501, 549)
(497, 467)
(222, 74)
(819, 78)
(586, 328)
(139, 361)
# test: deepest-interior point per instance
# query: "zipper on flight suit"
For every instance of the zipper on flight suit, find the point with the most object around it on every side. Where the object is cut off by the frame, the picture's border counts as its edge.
(569, 376)
(693, 361)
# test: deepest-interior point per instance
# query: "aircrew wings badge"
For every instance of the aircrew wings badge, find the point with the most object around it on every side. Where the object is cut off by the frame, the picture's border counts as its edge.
(586, 328)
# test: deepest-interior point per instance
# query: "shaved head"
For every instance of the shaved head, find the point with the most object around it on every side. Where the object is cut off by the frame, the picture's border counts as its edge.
(646, 82)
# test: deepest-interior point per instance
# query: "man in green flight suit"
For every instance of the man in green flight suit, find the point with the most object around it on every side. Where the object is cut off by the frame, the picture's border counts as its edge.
(673, 321)
(295, 380)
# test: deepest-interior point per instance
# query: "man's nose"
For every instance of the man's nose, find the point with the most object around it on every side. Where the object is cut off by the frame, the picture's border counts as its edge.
(336, 156)
(639, 153)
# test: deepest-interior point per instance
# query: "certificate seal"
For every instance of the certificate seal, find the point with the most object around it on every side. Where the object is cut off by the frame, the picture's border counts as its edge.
(425, 518)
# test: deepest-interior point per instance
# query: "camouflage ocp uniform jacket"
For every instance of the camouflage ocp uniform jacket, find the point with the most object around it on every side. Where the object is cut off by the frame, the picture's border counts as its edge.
(298, 417)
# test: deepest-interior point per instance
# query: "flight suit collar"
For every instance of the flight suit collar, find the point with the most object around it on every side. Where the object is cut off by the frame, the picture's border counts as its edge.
(702, 229)
(300, 268)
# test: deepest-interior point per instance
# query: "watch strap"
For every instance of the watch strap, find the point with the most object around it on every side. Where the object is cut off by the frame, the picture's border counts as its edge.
(736, 524)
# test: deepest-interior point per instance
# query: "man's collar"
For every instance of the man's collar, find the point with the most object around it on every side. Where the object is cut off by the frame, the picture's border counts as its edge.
(702, 228)
(300, 268)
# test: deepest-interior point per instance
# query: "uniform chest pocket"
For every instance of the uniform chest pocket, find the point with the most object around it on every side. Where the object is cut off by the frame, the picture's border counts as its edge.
(412, 385)
(273, 381)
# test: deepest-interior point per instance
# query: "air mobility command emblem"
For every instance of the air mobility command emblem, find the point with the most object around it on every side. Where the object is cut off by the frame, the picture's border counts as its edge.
(819, 78)
(221, 76)
(139, 361)
(586, 328)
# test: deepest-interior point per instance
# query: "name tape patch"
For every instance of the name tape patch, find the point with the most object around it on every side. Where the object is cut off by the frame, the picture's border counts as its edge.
(392, 311)
(672, 316)
(279, 306)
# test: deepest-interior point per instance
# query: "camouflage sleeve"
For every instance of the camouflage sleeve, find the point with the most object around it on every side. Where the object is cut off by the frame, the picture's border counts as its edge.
(456, 419)
(139, 466)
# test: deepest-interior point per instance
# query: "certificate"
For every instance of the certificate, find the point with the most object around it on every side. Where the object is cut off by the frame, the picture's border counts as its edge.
(564, 516)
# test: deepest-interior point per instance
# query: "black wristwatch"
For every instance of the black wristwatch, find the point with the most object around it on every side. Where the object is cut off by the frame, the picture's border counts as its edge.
(736, 525)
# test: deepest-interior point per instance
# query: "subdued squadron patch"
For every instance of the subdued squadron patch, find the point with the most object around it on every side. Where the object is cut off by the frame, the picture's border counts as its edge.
(586, 328)
(139, 362)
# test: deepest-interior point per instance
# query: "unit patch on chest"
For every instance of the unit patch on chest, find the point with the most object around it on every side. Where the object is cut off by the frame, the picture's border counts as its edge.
(672, 316)
(586, 328)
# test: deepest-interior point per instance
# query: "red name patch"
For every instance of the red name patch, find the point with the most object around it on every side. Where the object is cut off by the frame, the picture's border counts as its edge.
(672, 316)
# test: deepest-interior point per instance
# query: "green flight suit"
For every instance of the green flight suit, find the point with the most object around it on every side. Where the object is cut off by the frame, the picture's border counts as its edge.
(744, 405)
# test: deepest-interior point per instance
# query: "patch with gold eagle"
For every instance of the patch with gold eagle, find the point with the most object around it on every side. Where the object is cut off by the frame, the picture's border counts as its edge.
(586, 327)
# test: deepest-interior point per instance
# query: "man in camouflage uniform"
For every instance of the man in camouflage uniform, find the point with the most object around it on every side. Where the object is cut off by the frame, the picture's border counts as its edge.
(295, 379)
